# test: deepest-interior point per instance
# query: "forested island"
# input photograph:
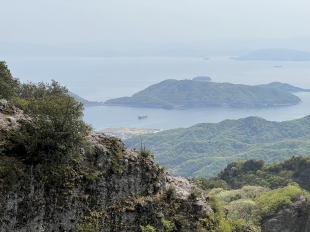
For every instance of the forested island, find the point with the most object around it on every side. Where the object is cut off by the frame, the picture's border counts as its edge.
(185, 94)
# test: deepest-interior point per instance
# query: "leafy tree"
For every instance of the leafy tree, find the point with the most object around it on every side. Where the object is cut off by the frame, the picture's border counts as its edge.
(255, 172)
(55, 132)
(270, 202)
(8, 84)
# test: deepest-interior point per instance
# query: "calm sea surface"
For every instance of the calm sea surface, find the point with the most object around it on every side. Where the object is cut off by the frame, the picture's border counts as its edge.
(103, 78)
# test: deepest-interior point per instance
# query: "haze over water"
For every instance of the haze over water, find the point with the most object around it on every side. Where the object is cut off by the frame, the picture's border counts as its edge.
(109, 77)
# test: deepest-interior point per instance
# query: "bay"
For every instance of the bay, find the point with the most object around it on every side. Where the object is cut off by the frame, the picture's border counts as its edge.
(101, 78)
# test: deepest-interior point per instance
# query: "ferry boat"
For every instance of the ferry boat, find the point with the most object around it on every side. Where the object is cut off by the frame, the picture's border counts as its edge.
(140, 117)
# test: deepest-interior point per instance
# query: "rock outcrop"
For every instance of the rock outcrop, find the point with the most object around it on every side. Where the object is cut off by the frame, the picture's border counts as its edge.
(295, 218)
(112, 189)
(9, 115)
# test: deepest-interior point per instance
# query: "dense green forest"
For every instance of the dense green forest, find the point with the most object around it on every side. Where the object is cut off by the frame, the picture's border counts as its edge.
(293, 171)
(180, 94)
(205, 149)
(254, 191)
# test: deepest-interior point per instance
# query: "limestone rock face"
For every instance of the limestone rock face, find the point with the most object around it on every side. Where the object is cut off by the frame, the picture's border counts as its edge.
(295, 218)
(110, 176)
(112, 189)
(9, 115)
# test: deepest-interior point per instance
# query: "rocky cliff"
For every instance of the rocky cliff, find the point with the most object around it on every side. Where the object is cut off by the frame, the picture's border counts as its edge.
(112, 189)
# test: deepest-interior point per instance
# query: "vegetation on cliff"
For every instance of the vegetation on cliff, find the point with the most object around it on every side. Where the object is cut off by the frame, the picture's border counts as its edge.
(56, 175)
(8, 84)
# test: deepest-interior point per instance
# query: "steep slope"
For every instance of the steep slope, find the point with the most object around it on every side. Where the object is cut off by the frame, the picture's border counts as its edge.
(110, 190)
(205, 149)
(174, 94)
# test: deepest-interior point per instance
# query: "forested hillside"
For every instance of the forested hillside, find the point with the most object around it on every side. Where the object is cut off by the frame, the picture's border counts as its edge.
(205, 149)
(295, 170)
(265, 195)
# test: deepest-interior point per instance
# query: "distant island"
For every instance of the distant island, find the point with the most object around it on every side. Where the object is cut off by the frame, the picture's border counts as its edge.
(85, 102)
(276, 55)
(285, 87)
(184, 94)
(202, 78)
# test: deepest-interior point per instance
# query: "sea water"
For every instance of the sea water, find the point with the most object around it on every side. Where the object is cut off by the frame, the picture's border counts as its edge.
(102, 78)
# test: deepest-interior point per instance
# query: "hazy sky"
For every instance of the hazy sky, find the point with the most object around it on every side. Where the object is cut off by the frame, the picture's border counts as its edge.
(152, 27)
(59, 21)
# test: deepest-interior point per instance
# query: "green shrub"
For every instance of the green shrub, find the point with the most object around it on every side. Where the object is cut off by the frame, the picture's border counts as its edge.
(11, 170)
(8, 85)
(207, 184)
(145, 153)
(195, 194)
(270, 202)
(147, 228)
(245, 192)
(168, 225)
(245, 209)
(91, 223)
(56, 132)
(215, 204)
(225, 224)
(170, 193)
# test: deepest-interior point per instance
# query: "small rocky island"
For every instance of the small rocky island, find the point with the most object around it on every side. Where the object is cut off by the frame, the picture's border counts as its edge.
(185, 94)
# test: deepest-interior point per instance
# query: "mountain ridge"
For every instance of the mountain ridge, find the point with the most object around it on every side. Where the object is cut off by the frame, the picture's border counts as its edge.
(204, 149)
(84, 101)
